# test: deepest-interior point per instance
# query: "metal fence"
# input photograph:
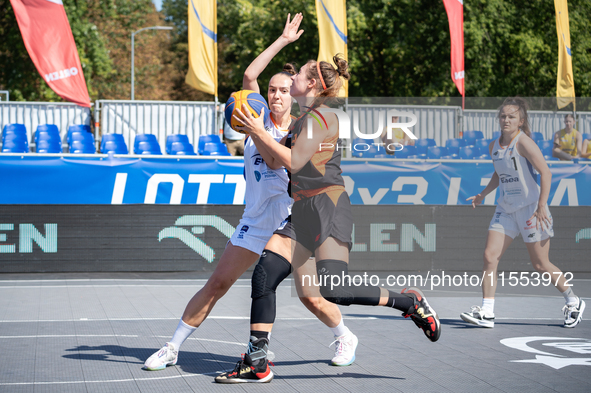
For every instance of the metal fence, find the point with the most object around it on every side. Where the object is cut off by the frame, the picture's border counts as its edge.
(32, 114)
(546, 122)
(161, 118)
(437, 122)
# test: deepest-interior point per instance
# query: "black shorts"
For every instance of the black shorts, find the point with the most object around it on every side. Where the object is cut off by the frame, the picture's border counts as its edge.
(315, 219)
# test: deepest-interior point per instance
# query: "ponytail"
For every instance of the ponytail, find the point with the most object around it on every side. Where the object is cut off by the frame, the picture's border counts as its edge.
(329, 79)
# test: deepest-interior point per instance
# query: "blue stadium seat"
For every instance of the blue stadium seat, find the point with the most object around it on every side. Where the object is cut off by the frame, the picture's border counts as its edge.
(471, 136)
(11, 136)
(453, 146)
(150, 138)
(546, 147)
(496, 135)
(176, 138)
(203, 139)
(485, 155)
(48, 132)
(48, 146)
(78, 128)
(11, 129)
(537, 136)
(587, 136)
(113, 143)
(82, 147)
(84, 136)
(436, 152)
(372, 152)
(15, 146)
(422, 145)
(469, 152)
(147, 147)
(483, 143)
(114, 147)
(407, 152)
(181, 149)
(215, 149)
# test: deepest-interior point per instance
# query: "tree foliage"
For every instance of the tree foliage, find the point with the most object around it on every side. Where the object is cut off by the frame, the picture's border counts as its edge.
(102, 31)
(397, 48)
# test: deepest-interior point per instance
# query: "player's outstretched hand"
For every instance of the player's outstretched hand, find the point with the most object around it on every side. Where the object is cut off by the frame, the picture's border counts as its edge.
(476, 200)
(542, 219)
(252, 125)
(290, 31)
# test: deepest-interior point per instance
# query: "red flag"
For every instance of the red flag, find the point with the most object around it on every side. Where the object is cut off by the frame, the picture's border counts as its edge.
(50, 43)
(455, 14)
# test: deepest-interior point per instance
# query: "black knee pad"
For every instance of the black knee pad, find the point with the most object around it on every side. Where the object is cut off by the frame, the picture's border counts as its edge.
(337, 294)
(271, 270)
(341, 291)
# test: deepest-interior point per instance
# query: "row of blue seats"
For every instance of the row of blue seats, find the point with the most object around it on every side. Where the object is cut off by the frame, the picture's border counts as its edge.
(471, 146)
(81, 141)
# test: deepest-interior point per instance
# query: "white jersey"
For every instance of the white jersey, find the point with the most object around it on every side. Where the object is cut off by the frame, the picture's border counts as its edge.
(264, 184)
(518, 180)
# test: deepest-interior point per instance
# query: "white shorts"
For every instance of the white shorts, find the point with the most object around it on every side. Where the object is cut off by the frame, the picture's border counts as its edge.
(253, 233)
(512, 224)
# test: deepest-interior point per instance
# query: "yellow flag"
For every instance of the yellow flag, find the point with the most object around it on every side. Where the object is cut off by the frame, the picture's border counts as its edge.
(203, 49)
(565, 85)
(332, 29)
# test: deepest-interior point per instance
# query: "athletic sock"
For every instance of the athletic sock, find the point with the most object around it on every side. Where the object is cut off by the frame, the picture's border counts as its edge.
(182, 332)
(488, 305)
(399, 301)
(569, 297)
(340, 329)
(258, 334)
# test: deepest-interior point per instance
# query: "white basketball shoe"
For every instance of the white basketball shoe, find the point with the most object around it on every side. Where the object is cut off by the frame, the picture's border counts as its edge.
(166, 356)
(345, 346)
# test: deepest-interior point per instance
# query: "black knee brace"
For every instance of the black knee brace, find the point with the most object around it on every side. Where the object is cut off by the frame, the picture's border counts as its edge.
(337, 287)
(271, 270)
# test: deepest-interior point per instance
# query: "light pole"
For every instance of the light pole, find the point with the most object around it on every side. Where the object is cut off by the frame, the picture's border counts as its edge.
(133, 52)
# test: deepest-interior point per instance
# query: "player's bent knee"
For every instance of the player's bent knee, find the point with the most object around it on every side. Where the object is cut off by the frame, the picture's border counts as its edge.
(337, 295)
(271, 270)
(268, 274)
(312, 303)
(217, 286)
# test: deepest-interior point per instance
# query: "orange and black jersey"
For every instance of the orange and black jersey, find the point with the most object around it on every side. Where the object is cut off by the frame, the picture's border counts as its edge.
(322, 174)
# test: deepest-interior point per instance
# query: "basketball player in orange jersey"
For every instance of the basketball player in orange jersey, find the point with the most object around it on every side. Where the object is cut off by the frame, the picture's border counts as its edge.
(321, 222)
(267, 204)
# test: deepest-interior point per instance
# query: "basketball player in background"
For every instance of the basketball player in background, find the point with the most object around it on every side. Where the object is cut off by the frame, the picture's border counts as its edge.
(522, 208)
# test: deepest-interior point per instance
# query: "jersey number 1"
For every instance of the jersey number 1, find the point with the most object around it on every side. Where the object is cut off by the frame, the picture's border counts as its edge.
(514, 162)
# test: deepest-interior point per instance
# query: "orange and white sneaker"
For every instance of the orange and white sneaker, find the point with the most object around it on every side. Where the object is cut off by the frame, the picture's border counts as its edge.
(422, 314)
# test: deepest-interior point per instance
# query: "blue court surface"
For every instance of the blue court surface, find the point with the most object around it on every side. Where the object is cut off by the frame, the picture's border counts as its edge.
(92, 333)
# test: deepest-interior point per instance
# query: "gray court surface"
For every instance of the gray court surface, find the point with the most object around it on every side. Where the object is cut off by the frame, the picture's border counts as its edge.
(92, 333)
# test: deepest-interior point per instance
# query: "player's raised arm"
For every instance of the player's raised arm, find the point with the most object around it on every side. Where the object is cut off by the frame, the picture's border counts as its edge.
(289, 35)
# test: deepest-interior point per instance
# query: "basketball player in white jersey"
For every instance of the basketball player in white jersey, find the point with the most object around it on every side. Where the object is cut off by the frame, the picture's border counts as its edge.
(522, 208)
(267, 205)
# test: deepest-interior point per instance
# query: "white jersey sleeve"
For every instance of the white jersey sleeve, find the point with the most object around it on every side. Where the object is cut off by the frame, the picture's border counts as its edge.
(518, 180)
